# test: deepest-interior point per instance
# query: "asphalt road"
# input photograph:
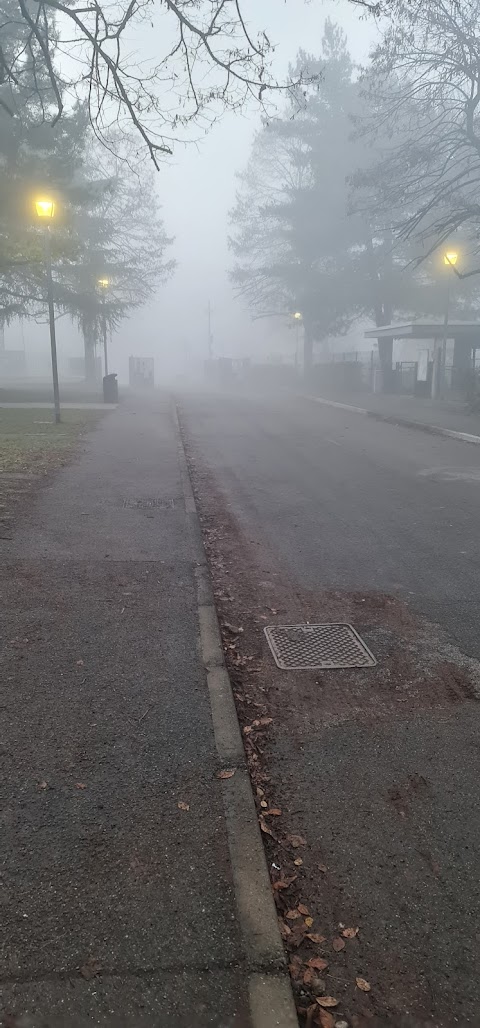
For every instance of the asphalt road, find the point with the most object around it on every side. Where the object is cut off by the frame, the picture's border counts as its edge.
(379, 769)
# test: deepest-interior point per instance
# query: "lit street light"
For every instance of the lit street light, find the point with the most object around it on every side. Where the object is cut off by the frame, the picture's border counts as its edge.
(298, 318)
(450, 259)
(45, 209)
(104, 284)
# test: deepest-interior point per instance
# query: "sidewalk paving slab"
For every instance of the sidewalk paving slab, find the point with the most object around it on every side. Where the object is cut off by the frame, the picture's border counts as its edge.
(411, 411)
(117, 906)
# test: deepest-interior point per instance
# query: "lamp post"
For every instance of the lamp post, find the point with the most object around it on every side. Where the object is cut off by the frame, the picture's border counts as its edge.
(298, 320)
(450, 259)
(104, 284)
(45, 209)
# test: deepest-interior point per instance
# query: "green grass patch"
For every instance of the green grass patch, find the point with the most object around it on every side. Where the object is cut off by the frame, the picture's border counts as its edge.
(31, 445)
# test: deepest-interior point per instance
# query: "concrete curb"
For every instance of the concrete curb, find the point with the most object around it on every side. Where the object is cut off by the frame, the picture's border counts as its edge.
(270, 995)
(393, 419)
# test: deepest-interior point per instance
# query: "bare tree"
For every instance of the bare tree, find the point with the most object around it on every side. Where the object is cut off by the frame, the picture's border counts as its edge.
(424, 94)
(204, 59)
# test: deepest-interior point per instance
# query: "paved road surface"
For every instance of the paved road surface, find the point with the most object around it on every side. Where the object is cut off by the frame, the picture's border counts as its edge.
(345, 518)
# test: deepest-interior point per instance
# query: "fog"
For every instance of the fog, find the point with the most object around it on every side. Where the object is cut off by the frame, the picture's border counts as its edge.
(196, 188)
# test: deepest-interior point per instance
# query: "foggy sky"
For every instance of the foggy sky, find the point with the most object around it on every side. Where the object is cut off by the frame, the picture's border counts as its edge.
(197, 189)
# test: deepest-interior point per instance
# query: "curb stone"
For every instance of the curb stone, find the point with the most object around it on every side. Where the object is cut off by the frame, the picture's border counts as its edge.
(270, 995)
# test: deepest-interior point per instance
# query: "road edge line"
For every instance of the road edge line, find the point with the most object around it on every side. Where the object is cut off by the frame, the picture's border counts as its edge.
(269, 988)
(393, 419)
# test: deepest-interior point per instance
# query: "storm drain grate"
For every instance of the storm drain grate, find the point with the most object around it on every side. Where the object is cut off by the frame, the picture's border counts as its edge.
(310, 647)
(147, 503)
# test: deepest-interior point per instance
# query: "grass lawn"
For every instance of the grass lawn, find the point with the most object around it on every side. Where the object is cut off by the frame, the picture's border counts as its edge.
(32, 445)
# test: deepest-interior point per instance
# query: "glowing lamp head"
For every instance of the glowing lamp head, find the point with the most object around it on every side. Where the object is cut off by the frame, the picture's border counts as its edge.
(297, 316)
(450, 258)
(45, 208)
(104, 283)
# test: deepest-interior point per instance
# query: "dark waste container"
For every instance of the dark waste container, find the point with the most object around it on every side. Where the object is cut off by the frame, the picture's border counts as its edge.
(110, 388)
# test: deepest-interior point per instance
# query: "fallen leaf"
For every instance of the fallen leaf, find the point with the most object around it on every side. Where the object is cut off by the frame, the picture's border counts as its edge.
(232, 628)
(298, 862)
(296, 841)
(303, 909)
(274, 811)
(326, 1020)
(183, 806)
(318, 963)
(80, 785)
(263, 804)
(264, 827)
(264, 721)
(247, 729)
(90, 968)
(79, 663)
(323, 868)
(295, 967)
(285, 931)
(42, 785)
(309, 922)
(363, 985)
(260, 792)
(292, 915)
(283, 883)
(317, 939)
(229, 773)
(308, 976)
(311, 1011)
(350, 933)
(327, 1001)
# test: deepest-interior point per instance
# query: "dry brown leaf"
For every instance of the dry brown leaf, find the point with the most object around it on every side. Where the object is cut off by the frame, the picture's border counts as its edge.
(285, 931)
(42, 785)
(327, 1001)
(247, 729)
(309, 922)
(350, 933)
(296, 841)
(228, 773)
(263, 804)
(362, 984)
(90, 968)
(274, 811)
(183, 806)
(292, 915)
(326, 1020)
(283, 883)
(338, 944)
(311, 1011)
(260, 792)
(317, 939)
(323, 868)
(303, 909)
(308, 976)
(298, 862)
(264, 827)
(318, 963)
(80, 785)
(295, 967)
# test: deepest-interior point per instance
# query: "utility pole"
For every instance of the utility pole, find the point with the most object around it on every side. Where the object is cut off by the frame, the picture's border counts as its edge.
(210, 337)
(51, 318)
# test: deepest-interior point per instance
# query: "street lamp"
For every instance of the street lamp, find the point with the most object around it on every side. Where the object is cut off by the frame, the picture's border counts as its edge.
(450, 259)
(298, 318)
(45, 209)
(104, 284)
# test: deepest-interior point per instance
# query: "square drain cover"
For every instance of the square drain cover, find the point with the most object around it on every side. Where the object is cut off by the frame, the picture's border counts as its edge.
(308, 647)
(148, 503)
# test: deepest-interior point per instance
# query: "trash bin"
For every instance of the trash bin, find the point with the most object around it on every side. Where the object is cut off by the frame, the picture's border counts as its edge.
(110, 388)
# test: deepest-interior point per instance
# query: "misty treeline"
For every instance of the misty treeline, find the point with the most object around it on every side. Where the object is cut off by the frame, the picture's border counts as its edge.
(107, 221)
(348, 201)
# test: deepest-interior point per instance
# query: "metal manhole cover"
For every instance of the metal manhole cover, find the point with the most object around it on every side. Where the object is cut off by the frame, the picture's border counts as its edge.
(310, 647)
(147, 503)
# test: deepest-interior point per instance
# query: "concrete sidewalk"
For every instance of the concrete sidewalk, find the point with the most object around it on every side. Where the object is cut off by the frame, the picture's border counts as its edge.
(448, 417)
(119, 898)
